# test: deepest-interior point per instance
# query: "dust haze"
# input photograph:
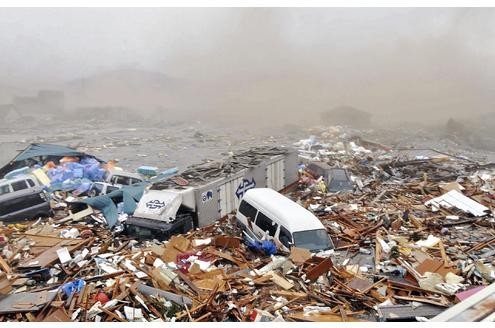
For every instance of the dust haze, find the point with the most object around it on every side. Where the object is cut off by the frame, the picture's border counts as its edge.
(254, 66)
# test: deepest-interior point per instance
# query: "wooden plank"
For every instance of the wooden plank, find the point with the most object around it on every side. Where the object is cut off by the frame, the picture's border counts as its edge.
(421, 300)
(204, 316)
(5, 266)
(446, 260)
(30, 317)
(227, 242)
(281, 281)
(112, 315)
(58, 315)
(378, 251)
(342, 313)
(50, 257)
(288, 294)
(319, 269)
(321, 318)
(189, 282)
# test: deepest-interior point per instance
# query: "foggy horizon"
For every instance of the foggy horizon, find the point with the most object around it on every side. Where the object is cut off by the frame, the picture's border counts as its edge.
(287, 64)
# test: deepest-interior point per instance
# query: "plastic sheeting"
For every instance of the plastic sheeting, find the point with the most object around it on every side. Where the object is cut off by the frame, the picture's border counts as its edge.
(130, 196)
(36, 150)
(73, 287)
(70, 176)
(266, 246)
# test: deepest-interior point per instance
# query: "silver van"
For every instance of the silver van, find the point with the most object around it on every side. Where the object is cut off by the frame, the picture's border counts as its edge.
(22, 198)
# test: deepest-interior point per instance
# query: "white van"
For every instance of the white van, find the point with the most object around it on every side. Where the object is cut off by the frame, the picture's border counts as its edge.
(263, 212)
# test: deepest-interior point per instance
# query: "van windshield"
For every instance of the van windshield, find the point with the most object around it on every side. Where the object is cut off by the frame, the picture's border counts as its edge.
(314, 240)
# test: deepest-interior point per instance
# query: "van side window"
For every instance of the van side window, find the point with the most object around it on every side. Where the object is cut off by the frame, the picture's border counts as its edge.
(265, 223)
(30, 182)
(285, 237)
(19, 185)
(247, 210)
(4, 189)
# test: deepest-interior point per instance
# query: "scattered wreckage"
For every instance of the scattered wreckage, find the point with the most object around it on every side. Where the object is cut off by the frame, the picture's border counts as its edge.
(412, 233)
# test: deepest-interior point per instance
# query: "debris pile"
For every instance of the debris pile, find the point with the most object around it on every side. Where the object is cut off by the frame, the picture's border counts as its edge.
(414, 234)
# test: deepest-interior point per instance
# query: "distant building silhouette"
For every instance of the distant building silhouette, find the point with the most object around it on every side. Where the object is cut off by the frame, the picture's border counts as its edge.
(46, 102)
(347, 115)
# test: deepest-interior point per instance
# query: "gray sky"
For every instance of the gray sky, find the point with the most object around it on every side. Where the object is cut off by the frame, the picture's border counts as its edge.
(301, 59)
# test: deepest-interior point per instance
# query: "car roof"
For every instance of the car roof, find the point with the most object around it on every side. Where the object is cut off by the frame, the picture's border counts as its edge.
(126, 174)
(290, 214)
(17, 178)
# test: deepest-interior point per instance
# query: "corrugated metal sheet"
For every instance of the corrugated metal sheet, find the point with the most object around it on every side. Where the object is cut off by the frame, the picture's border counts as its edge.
(228, 201)
(408, 312)
(275, 175)
(478, 307)
(456, 199)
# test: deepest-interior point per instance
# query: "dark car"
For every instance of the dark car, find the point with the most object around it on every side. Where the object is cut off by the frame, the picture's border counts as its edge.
(22, 198)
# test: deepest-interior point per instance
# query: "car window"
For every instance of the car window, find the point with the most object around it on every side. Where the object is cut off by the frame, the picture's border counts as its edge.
(247, 210)
(98, 187)
(30, 182)
(122, 180)
(110, 189)
(4, 189)
(19, 185)
(266, 224)
(285, 237)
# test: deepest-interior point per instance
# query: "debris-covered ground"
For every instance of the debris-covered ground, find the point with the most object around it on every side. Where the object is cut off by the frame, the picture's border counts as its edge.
(134, 143)
(414, 234)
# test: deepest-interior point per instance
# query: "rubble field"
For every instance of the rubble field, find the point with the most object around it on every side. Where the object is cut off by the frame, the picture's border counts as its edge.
(413, 229)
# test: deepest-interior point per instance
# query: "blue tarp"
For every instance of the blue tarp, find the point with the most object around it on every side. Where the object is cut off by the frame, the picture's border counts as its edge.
(33, 152)
(267, 246)
(36, 150)
(73, 287)
(70, 176)
(130, 195)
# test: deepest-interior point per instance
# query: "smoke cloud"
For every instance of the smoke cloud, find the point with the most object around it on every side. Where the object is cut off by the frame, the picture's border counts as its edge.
(255, 65)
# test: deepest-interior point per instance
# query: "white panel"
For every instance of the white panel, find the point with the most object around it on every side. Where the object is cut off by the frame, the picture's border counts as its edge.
(229, 194)
(269, 176)
(228, 199)
(282, 174)
(275, 175)
(223, 200)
